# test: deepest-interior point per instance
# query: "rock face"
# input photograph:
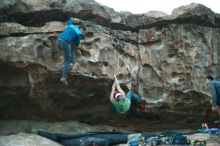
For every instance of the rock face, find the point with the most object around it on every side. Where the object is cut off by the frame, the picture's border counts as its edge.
(175, 52)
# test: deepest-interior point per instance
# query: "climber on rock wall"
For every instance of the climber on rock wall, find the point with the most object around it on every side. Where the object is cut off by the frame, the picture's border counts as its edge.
(121, 101)
(70, 35)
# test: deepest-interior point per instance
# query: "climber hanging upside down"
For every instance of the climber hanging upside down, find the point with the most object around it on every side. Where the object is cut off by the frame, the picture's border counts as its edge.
(122, 101)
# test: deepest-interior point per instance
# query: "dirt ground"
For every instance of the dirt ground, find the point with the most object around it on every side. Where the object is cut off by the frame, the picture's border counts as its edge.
(10, 128)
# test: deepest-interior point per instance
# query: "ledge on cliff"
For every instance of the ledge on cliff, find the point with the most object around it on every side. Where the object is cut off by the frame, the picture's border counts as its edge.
(33, 13)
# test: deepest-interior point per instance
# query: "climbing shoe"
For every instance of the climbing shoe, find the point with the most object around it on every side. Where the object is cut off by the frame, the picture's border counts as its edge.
(75, 66)
(142, 105)
(64, 81)
(70, 66)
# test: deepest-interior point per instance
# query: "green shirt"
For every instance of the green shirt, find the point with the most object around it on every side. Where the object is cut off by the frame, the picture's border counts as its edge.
(122, 105)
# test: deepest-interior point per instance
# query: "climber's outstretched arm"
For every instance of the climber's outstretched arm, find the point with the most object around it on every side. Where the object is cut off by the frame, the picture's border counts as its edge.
(112, 93)
(118, 87)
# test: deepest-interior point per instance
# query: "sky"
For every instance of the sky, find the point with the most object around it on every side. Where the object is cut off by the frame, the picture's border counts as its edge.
(143, 6)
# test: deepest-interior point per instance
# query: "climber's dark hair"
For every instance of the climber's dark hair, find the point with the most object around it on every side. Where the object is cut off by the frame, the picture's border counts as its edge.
(209, 78)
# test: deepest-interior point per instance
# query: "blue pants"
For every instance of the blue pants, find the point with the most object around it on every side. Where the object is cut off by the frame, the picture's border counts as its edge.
(67, 51)
(133, 97)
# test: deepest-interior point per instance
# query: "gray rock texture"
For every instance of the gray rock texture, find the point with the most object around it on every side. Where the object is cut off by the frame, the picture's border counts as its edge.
(175, 52)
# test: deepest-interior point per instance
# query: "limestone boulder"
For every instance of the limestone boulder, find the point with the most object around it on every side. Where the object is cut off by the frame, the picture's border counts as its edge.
(173, 52)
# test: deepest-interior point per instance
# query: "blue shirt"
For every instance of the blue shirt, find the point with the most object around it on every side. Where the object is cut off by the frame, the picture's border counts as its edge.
(71, 33)
(214, 88)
